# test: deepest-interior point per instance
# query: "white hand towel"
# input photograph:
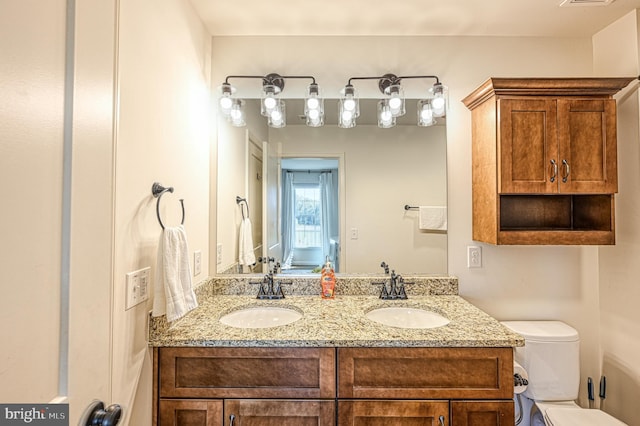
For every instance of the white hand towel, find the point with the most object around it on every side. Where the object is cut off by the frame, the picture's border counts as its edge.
(245, 252)
(433, 218)
(173, 293)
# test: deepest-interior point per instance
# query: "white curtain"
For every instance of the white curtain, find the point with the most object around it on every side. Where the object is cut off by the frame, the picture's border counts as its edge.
(329, 211)
(288, 234)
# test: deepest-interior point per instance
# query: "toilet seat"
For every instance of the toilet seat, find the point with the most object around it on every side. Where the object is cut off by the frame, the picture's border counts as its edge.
(561, 416)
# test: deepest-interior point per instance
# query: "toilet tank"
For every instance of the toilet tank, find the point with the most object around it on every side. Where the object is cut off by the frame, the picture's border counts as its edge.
(551, 358)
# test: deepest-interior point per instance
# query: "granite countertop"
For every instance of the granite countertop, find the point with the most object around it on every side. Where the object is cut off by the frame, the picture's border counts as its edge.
(338, 322)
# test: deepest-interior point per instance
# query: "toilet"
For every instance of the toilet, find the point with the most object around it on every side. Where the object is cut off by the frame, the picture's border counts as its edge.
(551, 359)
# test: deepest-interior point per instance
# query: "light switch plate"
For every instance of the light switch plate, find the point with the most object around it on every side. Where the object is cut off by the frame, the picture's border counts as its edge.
(137, 287)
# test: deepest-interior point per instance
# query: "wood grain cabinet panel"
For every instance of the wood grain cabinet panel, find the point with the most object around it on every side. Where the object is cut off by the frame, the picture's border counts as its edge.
(256, 412)
(393, 413)
(482, 413)
(544, 155)
(425, 373)
(247, 372)
(190, 413)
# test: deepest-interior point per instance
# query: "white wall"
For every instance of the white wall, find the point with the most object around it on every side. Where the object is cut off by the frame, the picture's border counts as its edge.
(515, 282)
(384, 170)
(32, 42)
(616, 53)
(162, 135)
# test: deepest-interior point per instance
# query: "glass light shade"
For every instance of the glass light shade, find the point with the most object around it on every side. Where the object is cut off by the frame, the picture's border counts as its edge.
(314, 107)
(277, 116)
(425, 113)
(396, 100)
(226, 101)
(349, 107)
(439, 95)
(236, 115)
(386, 119)
(269, 100)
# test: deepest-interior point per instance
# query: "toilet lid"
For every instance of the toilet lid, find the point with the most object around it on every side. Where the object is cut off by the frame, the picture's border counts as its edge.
(558, 416)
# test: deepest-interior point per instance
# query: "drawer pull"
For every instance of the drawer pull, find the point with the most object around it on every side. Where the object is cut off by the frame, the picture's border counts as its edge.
(231, 419)
(441, 418)
(554, 171)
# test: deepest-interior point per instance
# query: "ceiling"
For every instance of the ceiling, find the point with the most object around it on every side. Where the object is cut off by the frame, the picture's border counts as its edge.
(408, 17)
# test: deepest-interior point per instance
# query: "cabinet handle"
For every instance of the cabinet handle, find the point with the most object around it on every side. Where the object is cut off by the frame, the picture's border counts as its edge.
(441, 418)
(231, 419)
(554, 171)
(567, 170)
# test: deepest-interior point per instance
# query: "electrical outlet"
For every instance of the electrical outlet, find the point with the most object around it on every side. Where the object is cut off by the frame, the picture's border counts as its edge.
(137, 287)
(354, 233)
(197, 262)
(474, 257)
(219, 254)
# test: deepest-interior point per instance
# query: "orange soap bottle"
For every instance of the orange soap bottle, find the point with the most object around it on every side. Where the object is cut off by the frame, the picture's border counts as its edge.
(328, 281)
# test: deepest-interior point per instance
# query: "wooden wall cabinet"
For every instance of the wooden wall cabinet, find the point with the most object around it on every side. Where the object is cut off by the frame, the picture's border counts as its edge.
(544, 156)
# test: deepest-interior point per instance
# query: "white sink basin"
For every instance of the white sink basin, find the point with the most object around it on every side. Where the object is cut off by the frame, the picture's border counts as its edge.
(407, 317)
(260, 317)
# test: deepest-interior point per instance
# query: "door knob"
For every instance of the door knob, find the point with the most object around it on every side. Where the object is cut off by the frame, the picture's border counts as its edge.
(96, 415)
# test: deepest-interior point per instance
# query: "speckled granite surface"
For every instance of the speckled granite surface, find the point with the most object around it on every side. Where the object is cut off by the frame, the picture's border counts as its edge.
(333, 323)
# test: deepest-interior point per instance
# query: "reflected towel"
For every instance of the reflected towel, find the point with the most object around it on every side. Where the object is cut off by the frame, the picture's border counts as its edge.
(433, 218)
(246, 256)
(173, 293)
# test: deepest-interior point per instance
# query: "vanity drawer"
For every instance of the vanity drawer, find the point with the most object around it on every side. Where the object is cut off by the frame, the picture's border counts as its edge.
(246, 372)
(425, 373)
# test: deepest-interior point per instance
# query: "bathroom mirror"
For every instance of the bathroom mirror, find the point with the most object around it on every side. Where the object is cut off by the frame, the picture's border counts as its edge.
(376, 171)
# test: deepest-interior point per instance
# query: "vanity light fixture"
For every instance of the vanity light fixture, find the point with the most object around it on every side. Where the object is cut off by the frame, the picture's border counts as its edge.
(271, 106)
(392, 105)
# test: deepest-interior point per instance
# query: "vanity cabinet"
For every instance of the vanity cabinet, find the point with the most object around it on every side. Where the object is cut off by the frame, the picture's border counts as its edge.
(322, 386)
(544, 155)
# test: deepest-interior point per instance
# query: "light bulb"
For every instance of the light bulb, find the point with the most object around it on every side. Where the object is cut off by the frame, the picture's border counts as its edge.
(269, 102)
(225, 103)
(312, 103)
(276, 115)
(349, 104)
(395, 102)
(314, 114)
(347, 115)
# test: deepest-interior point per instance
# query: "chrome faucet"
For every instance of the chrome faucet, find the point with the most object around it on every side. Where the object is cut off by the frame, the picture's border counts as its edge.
(395, 287)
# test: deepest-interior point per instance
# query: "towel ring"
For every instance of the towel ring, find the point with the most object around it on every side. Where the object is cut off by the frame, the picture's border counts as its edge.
(157, 190)
(239, 201)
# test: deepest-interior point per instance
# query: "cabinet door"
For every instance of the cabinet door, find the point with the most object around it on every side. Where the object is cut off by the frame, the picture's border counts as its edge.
(528, 147)
(587, 146)
(393, 413)
(482, 413)
(190, 413)
(263, 412)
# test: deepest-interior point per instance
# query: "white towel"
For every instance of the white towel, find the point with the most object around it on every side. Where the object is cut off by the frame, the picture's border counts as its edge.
(433, 218)
(246, 256)
(173, 293)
